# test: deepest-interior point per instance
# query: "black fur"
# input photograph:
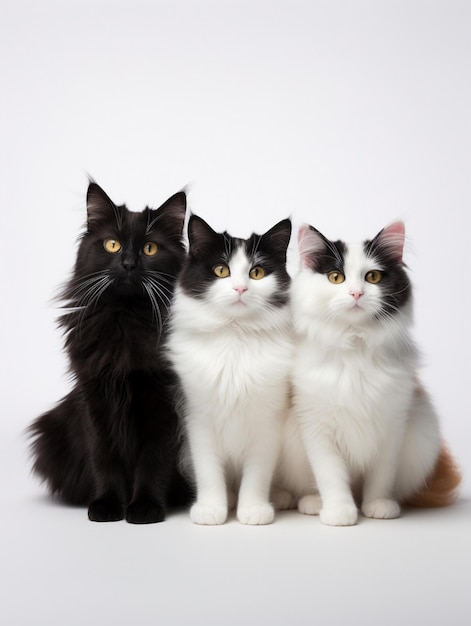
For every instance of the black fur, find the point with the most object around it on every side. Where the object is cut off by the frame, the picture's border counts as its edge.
(209, 248)
(112, 443)
(396, 288)
(332, 257)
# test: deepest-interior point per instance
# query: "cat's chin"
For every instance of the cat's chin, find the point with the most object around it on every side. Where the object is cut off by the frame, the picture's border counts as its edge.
(357, 312)
(355, 317)
(235, 305)
(127, 288)
(240, 310)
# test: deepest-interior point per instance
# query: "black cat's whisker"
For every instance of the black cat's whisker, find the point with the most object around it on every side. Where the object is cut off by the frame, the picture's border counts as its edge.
(162, 292)
(160, 286)
(89, 294)
(83, 284)
(159, 290)
(156, 314)
(90, 298)
(164, 275)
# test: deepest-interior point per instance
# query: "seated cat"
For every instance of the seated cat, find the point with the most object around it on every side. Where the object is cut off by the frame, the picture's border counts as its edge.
(112, 443)
(230, 344)
(361, 422)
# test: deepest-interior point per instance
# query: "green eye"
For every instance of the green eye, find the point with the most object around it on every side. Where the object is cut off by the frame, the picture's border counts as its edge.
(336, 277)
(257, 272)
(112, 245)
(150, 248)
(221, 271)
(374, 277)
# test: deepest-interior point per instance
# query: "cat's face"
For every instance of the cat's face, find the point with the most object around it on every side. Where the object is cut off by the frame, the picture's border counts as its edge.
(126, 255)
(356, 282)
(238, 277)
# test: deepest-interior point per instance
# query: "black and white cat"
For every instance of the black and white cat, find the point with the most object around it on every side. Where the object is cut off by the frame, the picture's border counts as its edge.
(112, 442)
(359, 410)
(230, 344)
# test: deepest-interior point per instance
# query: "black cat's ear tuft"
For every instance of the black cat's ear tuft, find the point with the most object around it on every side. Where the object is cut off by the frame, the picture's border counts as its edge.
(100, 207)
(170, 216)
(278, 237)
(201, 236)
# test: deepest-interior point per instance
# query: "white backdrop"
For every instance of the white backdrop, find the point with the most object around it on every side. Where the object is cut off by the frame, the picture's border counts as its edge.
(346, 114)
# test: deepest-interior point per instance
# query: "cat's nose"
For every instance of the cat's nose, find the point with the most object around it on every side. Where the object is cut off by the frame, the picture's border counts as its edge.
(129, 263)
(240, 289)
(356, 294)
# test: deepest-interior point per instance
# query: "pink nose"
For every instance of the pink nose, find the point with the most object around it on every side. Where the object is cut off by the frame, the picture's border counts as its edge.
(240, 290)
(356, 295)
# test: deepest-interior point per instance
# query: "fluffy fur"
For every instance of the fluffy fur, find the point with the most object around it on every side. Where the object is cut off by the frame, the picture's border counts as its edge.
(112, 442)
(230, 345)
(361, 424)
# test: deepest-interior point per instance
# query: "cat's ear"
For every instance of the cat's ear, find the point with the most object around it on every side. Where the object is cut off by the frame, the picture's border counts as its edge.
(100, 207)
(170, 216)
(391, 240)
(201, 236)
(278, 237)
(311, 243)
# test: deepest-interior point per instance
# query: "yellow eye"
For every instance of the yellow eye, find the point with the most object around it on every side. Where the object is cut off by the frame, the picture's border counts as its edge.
(221, 271)
(257, 272)
(112, 245)
(336, 277)
(374, 277)
(150, 248)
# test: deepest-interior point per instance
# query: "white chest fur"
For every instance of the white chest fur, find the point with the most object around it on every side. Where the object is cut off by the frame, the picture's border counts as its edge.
(234, 375)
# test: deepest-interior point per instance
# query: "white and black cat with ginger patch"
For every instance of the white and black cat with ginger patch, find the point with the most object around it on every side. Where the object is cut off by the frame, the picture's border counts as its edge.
(363, 430)
(112, 442)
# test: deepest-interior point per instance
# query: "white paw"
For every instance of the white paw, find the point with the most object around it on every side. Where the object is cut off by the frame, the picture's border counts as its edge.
(339, 515)
(283, 500)
(256, 514)
(310, 505)
(381, 509)
(208, 514)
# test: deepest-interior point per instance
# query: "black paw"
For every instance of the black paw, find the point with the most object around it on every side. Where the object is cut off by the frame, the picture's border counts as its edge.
(106, 510)
(145, 511)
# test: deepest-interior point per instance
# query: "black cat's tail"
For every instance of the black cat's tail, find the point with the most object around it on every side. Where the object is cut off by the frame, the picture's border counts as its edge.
(59, 451)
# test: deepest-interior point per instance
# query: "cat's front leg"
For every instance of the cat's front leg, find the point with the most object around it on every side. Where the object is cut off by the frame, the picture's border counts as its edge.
(151, 481)
(254, 507)
(335, 505)
(211, 506)
(378, 501)
(110, 489)
(111, 483)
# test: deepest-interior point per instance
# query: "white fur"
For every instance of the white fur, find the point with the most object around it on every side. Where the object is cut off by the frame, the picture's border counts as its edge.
(359, 416)
(232, 353)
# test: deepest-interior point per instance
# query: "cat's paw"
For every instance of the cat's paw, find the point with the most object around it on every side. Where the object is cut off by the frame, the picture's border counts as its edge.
(145, 511)
(106, 509)
(208, 514)
(256, 514)
(381, 508)
(310, 505)
(339, 515)
(283, 500)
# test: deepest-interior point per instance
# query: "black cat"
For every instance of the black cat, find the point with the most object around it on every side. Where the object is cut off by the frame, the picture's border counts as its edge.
(112, 443)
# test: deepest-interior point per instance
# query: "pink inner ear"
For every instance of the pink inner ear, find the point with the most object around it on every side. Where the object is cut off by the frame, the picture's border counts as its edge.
(393, 237)
(310, 243)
